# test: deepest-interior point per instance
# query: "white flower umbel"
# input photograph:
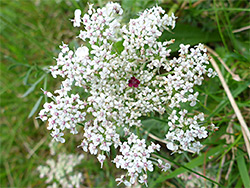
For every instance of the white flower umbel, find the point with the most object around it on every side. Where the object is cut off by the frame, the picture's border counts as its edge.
(127, 74)
(60, 173)
(64, 112)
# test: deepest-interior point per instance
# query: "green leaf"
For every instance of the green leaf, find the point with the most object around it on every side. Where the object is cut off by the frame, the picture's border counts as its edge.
(188, 34)
(34, 109)
(15, 63)
(32, 88)
(243, 168)
(155, 125)
(153, 121)
(25, 80)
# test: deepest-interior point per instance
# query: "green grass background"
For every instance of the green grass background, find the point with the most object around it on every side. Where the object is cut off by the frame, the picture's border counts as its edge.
(31, 31)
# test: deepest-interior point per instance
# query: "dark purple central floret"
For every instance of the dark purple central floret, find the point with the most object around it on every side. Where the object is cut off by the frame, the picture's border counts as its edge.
(133, 82)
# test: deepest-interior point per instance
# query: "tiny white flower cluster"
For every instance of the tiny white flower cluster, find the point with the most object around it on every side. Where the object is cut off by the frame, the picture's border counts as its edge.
(125, 83)
(101, 24)
(135, 159)
(60, 173)
(183, 131)
(64, 112)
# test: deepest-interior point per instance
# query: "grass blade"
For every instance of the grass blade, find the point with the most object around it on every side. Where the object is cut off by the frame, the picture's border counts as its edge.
(194, 163)
(172, 161)
(243, 169)
(32, 88)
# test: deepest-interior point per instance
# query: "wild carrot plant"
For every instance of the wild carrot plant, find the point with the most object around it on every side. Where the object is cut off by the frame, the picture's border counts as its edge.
(127, 74)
